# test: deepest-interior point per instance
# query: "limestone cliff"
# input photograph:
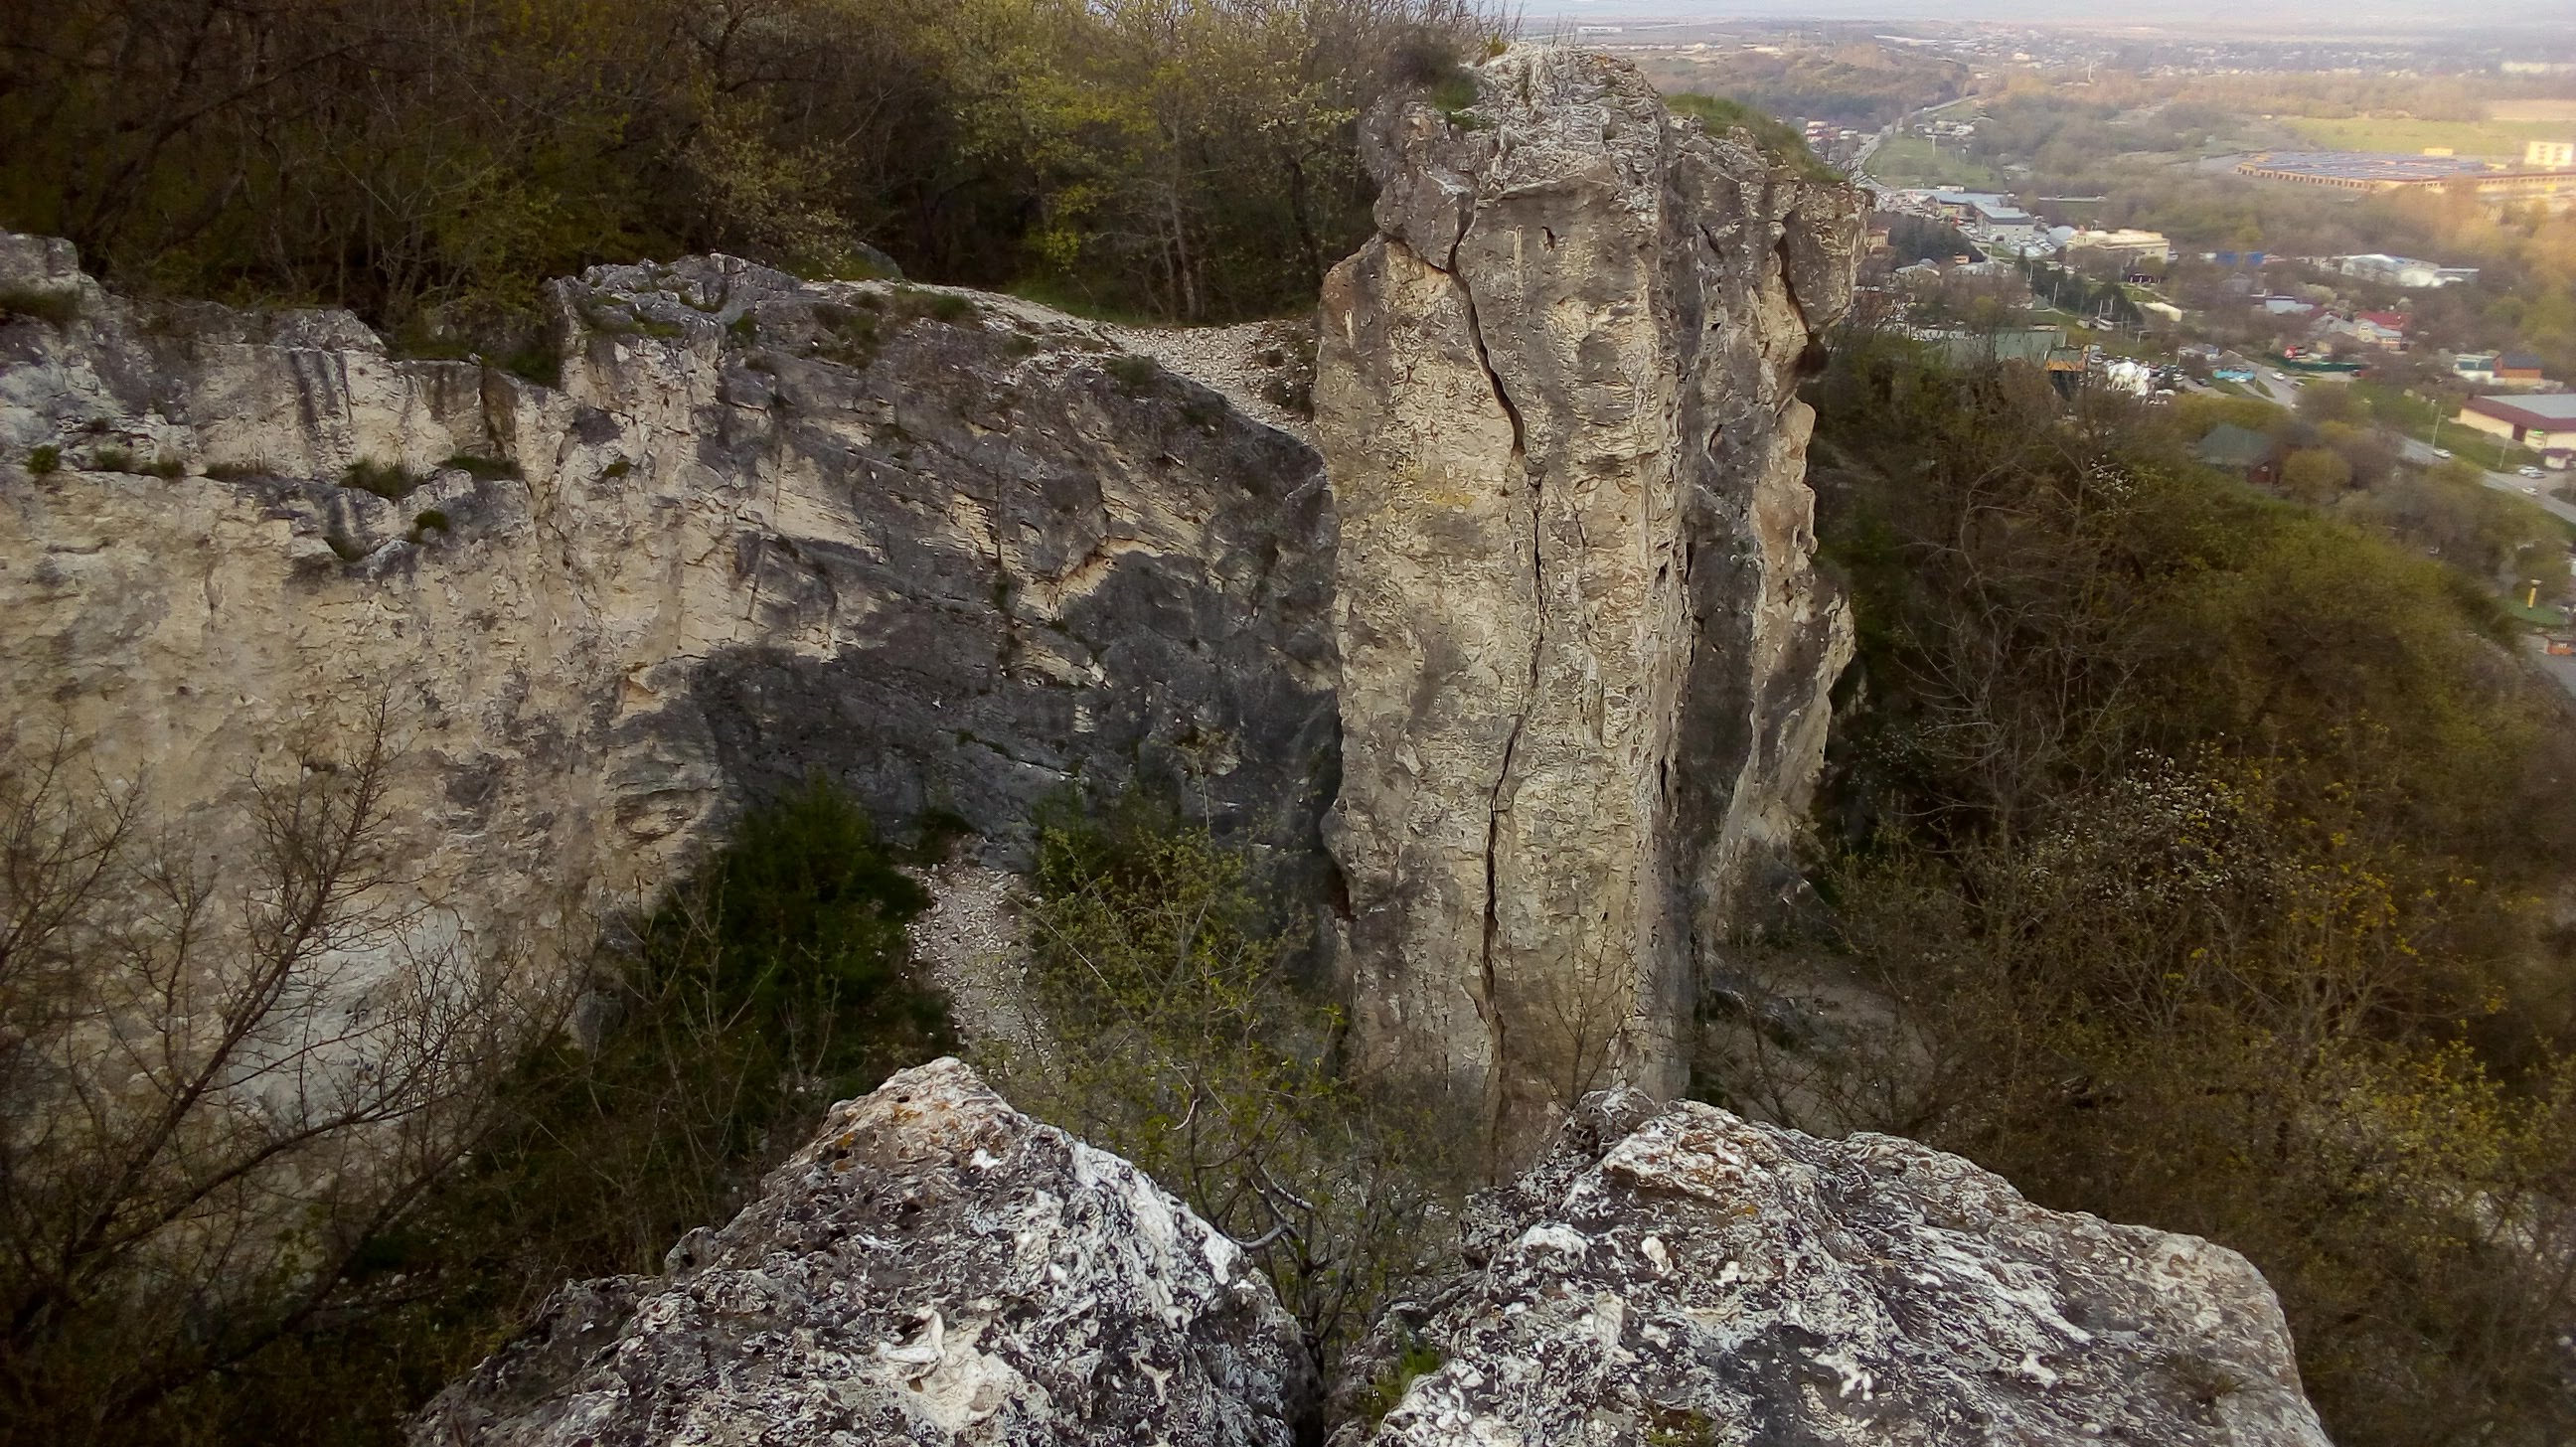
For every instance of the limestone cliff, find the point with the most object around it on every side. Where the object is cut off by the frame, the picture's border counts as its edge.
(951, 550)
(1583, 655)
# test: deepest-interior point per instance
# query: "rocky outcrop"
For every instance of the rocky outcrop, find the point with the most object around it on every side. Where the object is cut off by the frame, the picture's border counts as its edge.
(952, 550)
(1689, 1278)
(1583, 654)
(934, 1267)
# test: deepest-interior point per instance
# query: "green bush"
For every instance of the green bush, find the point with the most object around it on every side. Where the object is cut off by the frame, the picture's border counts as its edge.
(1172, 1028)
(773, 983)
(1774, 138)
(43, 460)
(56, 307)
(389, 480)
(2191, 839)
(1134, 374)
(1414, 1360)
(540, 363)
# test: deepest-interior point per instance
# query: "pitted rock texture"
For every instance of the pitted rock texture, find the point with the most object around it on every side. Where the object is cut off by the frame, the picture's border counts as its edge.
(933, 1268)
(1584, 656)
(952, 550)
(1683, 1276)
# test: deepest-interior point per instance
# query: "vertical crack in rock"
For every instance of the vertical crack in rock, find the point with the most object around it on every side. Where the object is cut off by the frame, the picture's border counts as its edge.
(1510, 703)
(1497, 1025)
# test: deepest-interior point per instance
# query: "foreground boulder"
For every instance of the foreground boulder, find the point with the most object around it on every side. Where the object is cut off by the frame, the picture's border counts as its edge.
(935, 1267)
(1699, 1280)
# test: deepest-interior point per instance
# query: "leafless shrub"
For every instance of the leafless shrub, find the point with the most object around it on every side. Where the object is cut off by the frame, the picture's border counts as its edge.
(222, 1073)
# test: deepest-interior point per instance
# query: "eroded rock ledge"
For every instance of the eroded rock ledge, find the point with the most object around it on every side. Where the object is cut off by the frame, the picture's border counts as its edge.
(936, 1268)
(1584, 657)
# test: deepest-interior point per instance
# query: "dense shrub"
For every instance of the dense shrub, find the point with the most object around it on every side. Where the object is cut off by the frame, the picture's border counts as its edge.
(285, 1263)
(430, 164)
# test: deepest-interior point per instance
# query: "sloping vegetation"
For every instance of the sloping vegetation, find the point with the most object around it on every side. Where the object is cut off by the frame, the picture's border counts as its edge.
(2190, 849)
(431, 164)
(1776, 138)
(1173, 1028)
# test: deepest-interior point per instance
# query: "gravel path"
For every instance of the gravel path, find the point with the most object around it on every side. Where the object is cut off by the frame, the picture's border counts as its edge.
(970, 940)
(1242, 362)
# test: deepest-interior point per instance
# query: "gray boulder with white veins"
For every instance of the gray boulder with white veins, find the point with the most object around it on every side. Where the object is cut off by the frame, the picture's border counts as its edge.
(934, 1267)
(1686, 1278)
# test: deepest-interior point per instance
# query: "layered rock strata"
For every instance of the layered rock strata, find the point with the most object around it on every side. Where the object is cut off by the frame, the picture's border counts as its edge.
(1683, 1276)
(1583, 652)
(953, 551)
(934, 1267)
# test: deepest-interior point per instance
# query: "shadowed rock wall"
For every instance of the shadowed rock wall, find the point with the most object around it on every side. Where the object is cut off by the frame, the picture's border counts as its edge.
(954, 551)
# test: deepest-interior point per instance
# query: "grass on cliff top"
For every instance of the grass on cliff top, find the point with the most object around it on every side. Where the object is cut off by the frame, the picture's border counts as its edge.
(1775, 138)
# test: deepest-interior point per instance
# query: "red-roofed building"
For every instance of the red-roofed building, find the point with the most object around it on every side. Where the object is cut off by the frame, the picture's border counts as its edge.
(2379, 329)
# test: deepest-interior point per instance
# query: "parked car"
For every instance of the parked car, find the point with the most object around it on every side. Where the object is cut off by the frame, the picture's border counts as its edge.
(2528, 470)
(2443, 453)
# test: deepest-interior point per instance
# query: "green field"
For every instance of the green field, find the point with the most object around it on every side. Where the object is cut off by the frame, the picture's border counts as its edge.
(2503, 139)
(1912, 161)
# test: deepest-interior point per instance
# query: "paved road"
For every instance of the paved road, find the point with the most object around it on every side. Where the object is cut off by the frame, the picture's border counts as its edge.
(2528, 489)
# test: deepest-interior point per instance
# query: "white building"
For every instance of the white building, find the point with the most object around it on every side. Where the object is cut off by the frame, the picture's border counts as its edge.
(2404, 271)
(2125, 241)
(2549, 155)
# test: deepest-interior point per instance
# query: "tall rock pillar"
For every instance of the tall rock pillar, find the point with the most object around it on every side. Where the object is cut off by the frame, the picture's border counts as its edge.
(1584, 654)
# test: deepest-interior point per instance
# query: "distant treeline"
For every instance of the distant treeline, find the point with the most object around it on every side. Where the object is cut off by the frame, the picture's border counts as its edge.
(429, 162)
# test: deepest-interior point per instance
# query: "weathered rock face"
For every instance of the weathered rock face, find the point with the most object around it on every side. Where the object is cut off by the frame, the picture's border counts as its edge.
(1583, 654)
(952, 550)
(1688, 1277)
(934, 1268)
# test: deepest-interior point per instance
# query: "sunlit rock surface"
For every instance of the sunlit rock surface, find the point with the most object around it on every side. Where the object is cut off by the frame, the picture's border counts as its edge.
(1584, 654)
(952, 551)
(1686, 1278)
(935, 1268)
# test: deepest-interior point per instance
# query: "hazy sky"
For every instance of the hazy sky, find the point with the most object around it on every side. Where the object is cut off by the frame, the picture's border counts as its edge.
(2321, 19)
